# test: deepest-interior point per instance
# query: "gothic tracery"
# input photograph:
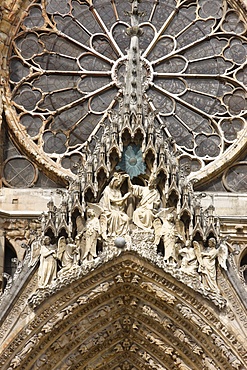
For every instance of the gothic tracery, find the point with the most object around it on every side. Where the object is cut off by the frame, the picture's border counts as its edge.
(182, 60)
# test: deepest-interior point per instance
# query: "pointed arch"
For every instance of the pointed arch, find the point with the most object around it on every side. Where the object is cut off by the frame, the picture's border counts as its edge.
(124, 312)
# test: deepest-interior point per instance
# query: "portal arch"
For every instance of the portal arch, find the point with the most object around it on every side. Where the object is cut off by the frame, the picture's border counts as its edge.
(125, 314)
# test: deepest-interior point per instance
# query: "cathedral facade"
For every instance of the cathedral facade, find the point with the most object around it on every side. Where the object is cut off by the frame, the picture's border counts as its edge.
(123, 239)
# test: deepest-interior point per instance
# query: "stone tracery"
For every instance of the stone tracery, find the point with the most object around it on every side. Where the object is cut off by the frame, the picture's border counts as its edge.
(194, 98)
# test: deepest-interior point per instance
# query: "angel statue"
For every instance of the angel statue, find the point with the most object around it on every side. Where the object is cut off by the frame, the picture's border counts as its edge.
(66, 253)
(48, 263)
(90, 235)
(35, 251)
(165, 229)
(207, 262)
(113, 204)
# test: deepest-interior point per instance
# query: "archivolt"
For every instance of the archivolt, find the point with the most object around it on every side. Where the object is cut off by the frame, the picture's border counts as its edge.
(126, 314)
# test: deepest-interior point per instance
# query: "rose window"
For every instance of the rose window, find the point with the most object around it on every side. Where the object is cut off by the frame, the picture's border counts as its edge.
(67, 71)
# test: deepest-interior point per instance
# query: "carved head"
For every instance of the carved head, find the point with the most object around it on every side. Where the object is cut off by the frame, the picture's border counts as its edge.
(170, 217)
(47, 240)
(212, 243)
(188, 243)
(90, 213)
(116, 181)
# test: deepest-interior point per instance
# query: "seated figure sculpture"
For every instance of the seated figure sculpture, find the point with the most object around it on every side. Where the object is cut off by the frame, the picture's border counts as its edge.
(149, 202)
(113, 205)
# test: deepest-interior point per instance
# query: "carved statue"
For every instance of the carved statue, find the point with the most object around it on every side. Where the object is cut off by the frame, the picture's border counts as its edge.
(169, 239)
(180, 334)
(113, 204)
(90, 236)
(67, 252)
(189, 263)
(149, 196)
(208, 364)
(42, 360)
(190, 315)
(207, 262)
(168, 232)
(48, 263)
(25, 350)
(35, 251)
(181, 365)
(235, 363)
(155, 340)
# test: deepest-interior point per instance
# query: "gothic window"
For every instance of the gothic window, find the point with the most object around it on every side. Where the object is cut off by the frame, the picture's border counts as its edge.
(235, 177)
(18, 170)
(68, 66)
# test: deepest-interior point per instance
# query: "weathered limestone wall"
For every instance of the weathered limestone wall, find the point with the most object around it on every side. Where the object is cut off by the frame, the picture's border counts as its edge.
(227, 204)
(29, 202)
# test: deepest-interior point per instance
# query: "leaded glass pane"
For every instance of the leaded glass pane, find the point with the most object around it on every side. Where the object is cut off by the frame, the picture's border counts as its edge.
(34, 19)
(236, 178)
(19, 172)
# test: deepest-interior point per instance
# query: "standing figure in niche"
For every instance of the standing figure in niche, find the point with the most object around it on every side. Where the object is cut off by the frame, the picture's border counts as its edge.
(189, 263)
(165, 229)
(90, 236)
(207, 262)
(35, 250)
(113, 204)
(148, 205)
(48, 263)
(169, 239)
